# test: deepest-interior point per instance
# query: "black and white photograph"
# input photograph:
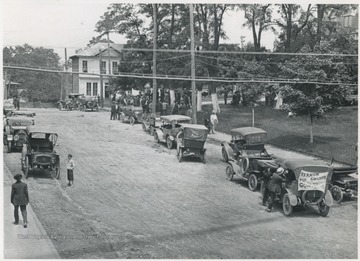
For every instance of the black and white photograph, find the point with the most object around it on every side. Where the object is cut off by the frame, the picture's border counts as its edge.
(180, 130)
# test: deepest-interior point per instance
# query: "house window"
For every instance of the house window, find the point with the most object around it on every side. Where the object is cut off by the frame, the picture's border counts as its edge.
(88, 88)
(84, 66)
(95, 89)
(115, 68)
(103, 67)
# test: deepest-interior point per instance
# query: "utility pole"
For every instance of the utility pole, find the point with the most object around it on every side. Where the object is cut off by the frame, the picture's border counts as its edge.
(108, 42)
(242, 40)
(64, 78)
(193, 85)
(154, 59)
(101, 83)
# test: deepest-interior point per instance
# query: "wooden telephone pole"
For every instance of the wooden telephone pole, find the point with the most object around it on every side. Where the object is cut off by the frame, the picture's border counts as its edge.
(193, 85)
(153, 108)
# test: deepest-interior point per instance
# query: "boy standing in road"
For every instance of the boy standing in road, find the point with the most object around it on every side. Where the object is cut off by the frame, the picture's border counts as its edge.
(214, 121)
(70, 165)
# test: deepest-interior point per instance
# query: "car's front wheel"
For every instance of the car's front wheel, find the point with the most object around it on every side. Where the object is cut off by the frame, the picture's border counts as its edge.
(224, 154)
(252, 182)
(229, 172)
(169, 143)
(132, 120)
(337, 194)
(323, 208)
(287, 208)
(156, 137)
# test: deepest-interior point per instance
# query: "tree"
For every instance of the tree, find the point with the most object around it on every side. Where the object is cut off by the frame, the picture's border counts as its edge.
(38, 86)
(258, 19)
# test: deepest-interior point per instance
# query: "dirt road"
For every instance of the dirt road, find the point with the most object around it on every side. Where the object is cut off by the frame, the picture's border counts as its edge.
(133, 199)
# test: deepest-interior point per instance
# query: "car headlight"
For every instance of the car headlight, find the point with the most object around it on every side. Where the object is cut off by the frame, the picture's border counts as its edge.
(16, 137)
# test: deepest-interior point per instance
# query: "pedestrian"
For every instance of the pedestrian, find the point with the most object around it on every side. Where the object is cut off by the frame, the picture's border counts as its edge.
(113, 111)
(214, 121)
(225, 96)
(19, 198)
(273, 180)
(175, 109)
(70, 165)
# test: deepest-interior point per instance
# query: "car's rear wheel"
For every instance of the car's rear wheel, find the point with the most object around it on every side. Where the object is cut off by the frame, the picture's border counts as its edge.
(323, 209)
(229, 172)
(169, 143)
(156, 137)
(57, 171)
(337, 194)
(252, 182)
(132, 120)
(224, 154)
(287, 208)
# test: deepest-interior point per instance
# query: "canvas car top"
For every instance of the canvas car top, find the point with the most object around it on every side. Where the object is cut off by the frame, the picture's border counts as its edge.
(194, 126)
(244, 131)
(34, 129)
(175, 117)
(195, 132)
(21, 113)
(19, 119)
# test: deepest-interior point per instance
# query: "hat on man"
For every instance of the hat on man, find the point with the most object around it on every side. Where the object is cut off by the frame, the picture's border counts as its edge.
(18, 176)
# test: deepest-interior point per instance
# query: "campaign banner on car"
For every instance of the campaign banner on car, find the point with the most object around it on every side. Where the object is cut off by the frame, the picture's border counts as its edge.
(312, 180)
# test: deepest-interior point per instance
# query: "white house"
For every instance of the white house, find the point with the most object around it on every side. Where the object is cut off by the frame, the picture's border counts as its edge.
(86, 68)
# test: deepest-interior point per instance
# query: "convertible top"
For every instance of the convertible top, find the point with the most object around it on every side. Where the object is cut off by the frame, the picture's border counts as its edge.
(33, 129)
(175, 117)
(23, 113)
(244, 131)
(297, 163)
(194, 126)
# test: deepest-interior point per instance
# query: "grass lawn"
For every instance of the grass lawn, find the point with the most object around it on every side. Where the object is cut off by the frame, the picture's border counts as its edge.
(334, 136)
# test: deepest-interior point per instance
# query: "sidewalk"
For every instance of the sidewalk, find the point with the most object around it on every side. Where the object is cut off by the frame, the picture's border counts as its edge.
(20, 242)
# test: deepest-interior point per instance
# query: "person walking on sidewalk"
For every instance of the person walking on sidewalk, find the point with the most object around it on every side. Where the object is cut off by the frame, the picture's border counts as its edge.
(214, 121)
(70, 165)
(19, 198)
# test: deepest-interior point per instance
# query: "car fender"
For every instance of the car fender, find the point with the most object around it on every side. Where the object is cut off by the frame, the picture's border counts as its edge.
(292, 198)
(229, 151)
(160, 134)
(328, 199)
(235, 166)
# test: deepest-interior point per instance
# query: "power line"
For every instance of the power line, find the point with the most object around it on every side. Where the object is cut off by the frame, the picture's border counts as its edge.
(185, 78)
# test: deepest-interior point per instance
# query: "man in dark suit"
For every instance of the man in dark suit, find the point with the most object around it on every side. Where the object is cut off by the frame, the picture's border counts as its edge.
(19, 198)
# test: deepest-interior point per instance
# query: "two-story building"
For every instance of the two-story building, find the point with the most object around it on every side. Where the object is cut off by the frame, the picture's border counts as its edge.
(88, 64)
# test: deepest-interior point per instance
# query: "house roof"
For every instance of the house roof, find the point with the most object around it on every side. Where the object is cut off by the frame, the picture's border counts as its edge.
(95, 50)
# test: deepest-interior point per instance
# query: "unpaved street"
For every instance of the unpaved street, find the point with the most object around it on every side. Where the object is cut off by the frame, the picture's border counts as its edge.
(133, 199)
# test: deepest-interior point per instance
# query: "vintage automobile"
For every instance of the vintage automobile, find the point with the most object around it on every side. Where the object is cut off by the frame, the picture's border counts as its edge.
(15, 134)
(149, 122)
(307, 183)
(171, 126)
(72, 103)
(190, 141)
(344, 183)
(39, 151)
(130, 113)
(246, 155)
(23, 113)
(89, 103)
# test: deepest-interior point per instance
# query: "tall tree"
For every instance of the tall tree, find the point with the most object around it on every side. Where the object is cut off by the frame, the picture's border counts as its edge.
(38, 86)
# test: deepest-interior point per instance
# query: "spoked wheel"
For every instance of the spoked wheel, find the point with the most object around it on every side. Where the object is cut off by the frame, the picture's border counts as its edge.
(27, 168)
(229, 172)
(323, 209)
(224, 154)
(252, 182)
(156, 137)
(169, 143)
(337, 194)
(132, 121)
(287, 208)
(180, 155)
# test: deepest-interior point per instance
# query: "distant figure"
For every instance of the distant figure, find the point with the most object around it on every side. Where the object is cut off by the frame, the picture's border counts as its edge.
(225, 96)
(19, 198)
(113, 111)
(175, 110)
(70, 165)
(214, 121)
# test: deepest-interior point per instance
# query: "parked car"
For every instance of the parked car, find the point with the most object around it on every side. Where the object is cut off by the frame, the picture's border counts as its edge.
(344, 183)
(23, 113)
(89, 103)
(190, 141)
(15, 134)
(246, 155)
(39, 151)
(130, 113)
(74, 102)
(149, 123)
(171, 126)
(307, 184)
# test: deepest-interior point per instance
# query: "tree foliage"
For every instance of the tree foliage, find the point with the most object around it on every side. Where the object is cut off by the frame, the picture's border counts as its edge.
(37, 86)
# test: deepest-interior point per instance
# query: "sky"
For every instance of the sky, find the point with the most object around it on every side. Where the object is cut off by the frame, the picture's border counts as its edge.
(60, 24)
